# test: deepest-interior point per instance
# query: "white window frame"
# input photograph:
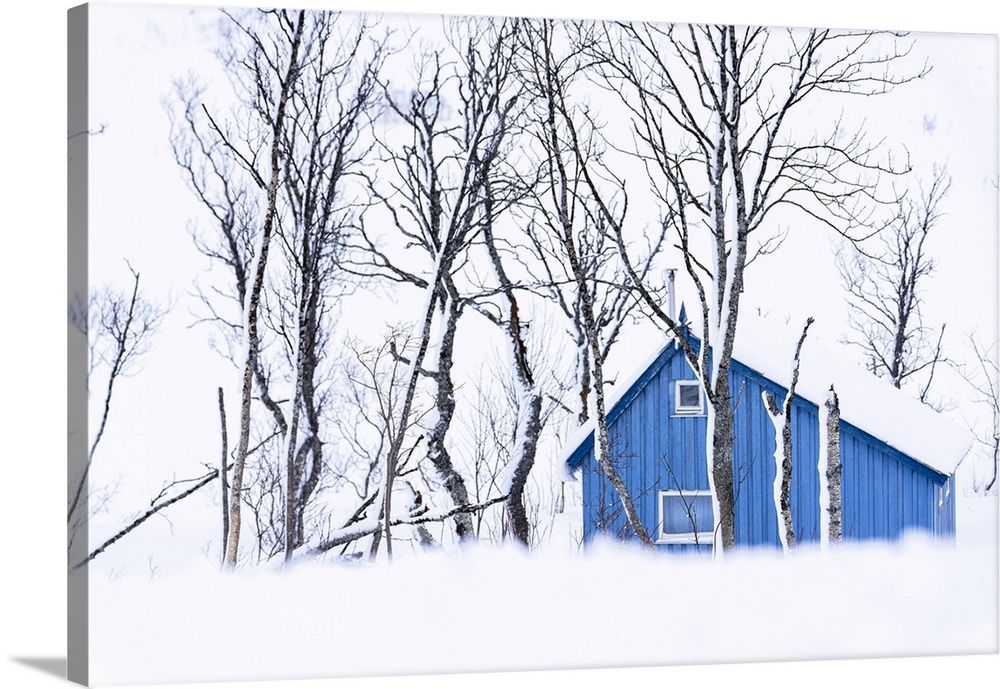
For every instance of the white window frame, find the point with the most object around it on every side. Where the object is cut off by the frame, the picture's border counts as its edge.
(705, 538)
(688, 411)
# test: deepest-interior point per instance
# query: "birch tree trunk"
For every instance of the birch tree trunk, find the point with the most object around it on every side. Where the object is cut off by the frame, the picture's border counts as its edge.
(251, 336)
(782, 420)
(224, 473)
(833, 467)
(437, 450)
(529, 421)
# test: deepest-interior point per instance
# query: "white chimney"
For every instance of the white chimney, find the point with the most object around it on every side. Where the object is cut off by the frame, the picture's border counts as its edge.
(671, 303)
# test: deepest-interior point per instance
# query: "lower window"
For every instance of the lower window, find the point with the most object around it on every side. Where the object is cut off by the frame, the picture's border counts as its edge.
(686, 517)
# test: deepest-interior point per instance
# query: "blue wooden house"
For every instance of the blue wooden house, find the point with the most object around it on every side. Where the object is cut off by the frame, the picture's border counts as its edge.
(898, 456)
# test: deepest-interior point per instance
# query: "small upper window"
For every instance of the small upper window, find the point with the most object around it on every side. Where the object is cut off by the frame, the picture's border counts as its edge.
(687, 397)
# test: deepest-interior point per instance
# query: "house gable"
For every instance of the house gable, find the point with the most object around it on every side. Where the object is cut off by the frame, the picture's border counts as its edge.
(654, 449)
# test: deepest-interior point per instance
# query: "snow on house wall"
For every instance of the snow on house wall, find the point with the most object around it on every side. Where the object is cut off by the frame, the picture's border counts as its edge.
(884, 493)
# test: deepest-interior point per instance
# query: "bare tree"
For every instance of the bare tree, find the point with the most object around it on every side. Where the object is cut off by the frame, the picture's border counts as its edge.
(231, 198)
(526, 258)
(607, 290)
(272, 65)
(330, 105)
(714, 114)
(374, 388)
(567, 206)
(982, 376)
(884, 286)
(500, 188)
(280, 174)
(454, 121)
(119, 326)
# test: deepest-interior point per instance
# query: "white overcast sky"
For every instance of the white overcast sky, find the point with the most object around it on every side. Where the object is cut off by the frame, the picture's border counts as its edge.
(140, 210)
(33, 254)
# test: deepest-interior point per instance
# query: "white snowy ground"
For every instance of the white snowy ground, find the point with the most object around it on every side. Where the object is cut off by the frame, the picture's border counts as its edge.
(490, 610)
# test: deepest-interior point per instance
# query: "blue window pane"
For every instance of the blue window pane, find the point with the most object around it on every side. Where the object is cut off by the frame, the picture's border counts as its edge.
(687, 514)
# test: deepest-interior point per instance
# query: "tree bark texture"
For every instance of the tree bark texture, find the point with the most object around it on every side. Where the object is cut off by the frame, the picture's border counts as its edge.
(833, 465)
(437, 450)
(722, 464)
(782, 418)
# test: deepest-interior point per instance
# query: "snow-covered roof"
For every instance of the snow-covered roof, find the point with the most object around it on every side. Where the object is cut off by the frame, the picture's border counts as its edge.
(622, 386)
(867, 402)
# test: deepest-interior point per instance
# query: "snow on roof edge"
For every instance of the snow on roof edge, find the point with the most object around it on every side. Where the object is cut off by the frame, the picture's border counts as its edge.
(580, 434)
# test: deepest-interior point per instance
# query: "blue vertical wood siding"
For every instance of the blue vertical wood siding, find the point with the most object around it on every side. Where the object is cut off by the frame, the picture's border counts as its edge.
(884, 492)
